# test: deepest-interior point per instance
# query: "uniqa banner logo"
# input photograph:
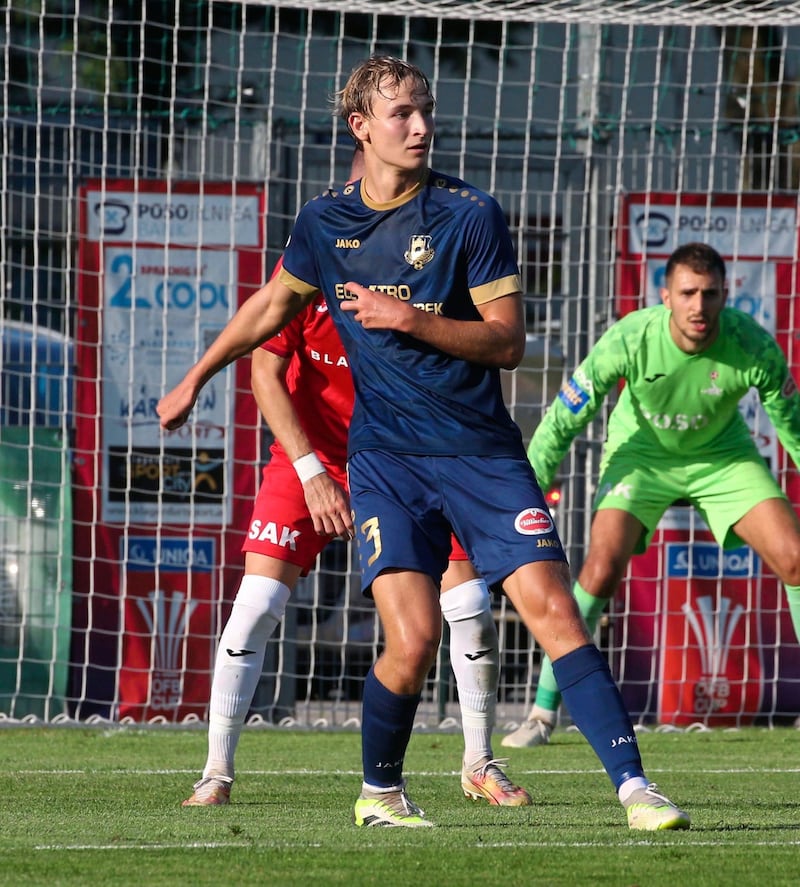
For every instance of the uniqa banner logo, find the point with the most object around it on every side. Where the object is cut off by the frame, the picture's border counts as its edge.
(713, 631)
(706, 560)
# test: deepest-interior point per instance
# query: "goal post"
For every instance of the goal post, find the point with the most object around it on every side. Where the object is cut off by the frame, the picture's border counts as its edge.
(152, 168)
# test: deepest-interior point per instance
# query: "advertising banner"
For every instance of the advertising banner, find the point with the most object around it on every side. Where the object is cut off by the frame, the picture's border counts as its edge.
(169, 600)
(712, 618)
(711, 614)
(162, 268)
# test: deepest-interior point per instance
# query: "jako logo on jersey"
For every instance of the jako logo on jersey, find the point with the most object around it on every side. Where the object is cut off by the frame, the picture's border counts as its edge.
(533, 522)
(419, 251)
(789, 386)
(347, 243)
(268, 532)
(573, 396)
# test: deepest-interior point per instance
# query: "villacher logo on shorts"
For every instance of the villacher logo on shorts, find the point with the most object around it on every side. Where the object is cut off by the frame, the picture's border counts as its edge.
(533, 522)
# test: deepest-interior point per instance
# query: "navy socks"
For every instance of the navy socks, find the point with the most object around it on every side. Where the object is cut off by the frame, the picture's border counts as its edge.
(386, 723)
(597, 709)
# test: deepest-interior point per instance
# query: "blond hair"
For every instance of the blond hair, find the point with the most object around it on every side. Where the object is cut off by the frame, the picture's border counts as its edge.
(372, 77)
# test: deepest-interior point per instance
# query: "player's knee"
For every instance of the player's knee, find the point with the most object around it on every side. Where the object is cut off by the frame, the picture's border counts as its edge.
(601, 578)
(423, 652)
(411, 659)
(784, 559)
(789, 571)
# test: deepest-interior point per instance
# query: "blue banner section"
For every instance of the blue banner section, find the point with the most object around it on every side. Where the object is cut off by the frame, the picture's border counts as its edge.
(149, 552)
(706, 560)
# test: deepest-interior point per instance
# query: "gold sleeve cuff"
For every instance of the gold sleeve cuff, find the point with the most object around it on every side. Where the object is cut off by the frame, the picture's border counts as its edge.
(505, 286)
(295, 284)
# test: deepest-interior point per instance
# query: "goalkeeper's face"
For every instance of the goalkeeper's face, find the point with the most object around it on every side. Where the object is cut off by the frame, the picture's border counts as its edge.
(695, 299)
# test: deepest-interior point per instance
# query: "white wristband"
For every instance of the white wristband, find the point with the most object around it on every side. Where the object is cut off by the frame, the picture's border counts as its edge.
(308, 466)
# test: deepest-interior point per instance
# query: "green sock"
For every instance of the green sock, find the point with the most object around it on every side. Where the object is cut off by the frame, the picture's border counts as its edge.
(793, 597)
(547, 695)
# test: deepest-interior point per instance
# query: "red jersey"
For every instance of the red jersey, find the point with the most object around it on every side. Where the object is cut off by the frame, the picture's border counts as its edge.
(321, 389)
(319, 381)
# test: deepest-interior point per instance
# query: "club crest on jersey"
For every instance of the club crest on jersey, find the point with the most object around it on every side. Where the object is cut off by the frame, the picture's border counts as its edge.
(419, 251)
(713, 389)
(533, 522)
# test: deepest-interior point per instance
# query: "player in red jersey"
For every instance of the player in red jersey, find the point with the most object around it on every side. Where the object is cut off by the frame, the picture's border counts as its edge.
(302, 384)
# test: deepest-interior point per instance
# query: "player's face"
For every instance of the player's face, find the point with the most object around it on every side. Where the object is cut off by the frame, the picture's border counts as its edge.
(695, 300)
(400, 129)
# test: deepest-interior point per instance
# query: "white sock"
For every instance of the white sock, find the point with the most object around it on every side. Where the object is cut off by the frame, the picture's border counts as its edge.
(475, 661)
(258, 608)
(630, 786)
(372, 790)
(537, 713)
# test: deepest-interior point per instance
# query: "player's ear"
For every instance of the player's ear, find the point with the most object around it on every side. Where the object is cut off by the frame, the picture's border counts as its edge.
(664, 293)
(359, 126)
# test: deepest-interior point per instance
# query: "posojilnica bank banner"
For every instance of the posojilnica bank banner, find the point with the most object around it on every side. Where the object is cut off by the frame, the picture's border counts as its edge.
(159, 516)
(711, 626)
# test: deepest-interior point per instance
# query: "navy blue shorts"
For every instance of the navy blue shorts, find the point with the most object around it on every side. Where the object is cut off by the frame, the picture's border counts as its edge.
(405, 507)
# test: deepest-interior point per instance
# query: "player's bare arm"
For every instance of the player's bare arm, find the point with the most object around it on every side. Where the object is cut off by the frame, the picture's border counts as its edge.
(328, 504)
(263, 315)
(496, 341)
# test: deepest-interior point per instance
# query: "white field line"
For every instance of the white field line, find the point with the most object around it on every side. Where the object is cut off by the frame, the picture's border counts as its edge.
(261, 847)
(307, 771)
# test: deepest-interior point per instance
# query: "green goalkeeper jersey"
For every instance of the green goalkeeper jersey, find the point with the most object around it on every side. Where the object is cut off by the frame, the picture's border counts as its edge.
(674, 406)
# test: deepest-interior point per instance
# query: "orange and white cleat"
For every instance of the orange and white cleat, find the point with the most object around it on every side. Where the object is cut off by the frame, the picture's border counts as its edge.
(488, 782)
(211, 791)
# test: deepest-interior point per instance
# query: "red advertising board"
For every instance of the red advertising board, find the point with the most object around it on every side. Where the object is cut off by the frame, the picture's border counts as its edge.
(695, 617)
(159, 515)
(709, 615)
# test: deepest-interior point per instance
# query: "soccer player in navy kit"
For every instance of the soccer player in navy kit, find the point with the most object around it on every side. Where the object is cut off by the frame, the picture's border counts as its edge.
(421, 279)
(302, 384)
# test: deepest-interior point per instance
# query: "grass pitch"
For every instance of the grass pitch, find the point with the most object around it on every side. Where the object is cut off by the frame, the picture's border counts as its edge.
(102, 806)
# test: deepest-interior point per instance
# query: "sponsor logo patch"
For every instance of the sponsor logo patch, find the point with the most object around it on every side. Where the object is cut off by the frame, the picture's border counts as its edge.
(533, 522)
(573, 396)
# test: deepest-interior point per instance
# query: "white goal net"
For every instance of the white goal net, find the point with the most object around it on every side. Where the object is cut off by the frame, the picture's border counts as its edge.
(154, 157)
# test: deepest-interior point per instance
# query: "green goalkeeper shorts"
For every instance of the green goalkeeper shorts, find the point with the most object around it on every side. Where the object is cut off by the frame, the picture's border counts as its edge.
(722, 492)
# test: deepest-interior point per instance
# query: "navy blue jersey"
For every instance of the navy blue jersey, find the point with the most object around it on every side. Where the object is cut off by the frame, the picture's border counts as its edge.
(445, 248)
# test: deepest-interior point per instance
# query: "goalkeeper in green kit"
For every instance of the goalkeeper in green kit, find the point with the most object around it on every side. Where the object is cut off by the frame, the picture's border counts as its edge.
(675, 434)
